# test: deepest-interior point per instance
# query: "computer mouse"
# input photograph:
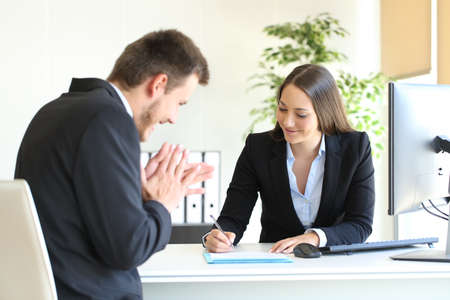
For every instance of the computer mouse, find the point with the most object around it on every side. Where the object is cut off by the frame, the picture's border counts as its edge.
(306, 250)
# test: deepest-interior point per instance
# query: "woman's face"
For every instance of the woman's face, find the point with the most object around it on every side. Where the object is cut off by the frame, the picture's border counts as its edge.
(296, 116)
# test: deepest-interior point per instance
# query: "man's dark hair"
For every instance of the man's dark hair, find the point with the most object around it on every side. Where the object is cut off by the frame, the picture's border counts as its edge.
(168, 52)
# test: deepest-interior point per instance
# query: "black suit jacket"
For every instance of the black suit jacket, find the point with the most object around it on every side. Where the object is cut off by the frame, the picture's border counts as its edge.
(81, 158)
(347, 202)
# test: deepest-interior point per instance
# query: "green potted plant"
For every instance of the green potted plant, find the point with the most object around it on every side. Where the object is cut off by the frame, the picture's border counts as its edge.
(306, 43)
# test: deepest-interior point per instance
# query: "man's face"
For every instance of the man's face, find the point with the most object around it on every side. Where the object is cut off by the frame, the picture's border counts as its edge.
(164, 109)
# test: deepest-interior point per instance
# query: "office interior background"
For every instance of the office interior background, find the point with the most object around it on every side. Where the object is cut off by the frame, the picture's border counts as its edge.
(47, 42)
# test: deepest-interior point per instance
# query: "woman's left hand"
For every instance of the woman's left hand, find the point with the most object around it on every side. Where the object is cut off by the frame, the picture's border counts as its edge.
(287, 245)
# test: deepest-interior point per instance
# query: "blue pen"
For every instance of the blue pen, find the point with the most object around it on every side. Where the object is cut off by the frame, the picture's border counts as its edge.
(221, 230)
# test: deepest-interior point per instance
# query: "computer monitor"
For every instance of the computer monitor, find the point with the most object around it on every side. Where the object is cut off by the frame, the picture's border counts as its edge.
(418, 114)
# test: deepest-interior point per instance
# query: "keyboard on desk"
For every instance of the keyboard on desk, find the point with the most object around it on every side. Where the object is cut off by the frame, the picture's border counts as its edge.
(378, 245)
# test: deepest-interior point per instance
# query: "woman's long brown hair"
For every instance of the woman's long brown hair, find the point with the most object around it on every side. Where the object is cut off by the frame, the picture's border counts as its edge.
(320, 86)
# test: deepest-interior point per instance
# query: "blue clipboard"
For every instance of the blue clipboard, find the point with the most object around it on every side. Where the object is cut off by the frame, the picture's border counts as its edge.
(246, 258)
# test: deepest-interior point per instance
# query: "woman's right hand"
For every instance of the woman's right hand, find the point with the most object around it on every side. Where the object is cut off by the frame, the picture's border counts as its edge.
(216, 241)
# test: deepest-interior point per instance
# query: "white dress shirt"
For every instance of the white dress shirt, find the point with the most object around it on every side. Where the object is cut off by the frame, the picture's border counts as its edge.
(124, 100)
(307, 205)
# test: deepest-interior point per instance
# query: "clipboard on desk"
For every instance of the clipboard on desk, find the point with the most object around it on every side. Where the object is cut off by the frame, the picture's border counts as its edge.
(246, 258)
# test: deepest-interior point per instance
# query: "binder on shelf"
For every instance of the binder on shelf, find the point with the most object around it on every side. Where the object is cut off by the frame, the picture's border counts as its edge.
(212, 186)
(145, 157)
(194, 211)
(177, 215)
(195, 157)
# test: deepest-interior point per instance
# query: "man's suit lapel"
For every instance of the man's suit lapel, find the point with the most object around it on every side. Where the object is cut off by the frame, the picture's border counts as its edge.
(330, 179)
(278, 169)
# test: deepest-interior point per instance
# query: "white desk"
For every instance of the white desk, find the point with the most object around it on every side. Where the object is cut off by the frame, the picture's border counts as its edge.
(180, 272)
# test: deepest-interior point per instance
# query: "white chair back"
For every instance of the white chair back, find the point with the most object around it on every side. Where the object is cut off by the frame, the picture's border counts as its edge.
(25, 270)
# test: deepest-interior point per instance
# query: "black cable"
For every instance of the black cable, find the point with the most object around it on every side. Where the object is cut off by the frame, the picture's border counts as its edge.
(432, 204)
(439, 216)
(441, 144)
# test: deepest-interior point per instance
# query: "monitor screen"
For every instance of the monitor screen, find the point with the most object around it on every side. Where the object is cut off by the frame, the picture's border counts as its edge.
(418, 169)
(417, 114)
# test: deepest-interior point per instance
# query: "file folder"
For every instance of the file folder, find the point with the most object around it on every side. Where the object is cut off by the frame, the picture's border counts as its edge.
(212, 186)
(194, 209)
(246, 258)
(177, 215)
(194, 202)
(145, 157)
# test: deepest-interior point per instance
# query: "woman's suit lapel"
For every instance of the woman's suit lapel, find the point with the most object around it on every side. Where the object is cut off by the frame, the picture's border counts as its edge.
(333, 160)
(278, 171)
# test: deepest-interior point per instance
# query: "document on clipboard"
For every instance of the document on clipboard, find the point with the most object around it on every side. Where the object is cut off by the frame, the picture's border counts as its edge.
(246, 258)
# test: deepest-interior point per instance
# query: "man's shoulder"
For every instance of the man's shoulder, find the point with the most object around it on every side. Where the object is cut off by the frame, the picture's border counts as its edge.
(85, 101)
(74, 112)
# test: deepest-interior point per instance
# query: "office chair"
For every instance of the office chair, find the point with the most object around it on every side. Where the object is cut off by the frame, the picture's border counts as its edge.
(25, 271)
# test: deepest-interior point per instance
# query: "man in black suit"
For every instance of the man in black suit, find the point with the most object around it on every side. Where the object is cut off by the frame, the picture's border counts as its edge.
(102, 214)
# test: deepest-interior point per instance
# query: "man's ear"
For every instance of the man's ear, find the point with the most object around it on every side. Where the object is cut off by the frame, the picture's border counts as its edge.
(156, 86)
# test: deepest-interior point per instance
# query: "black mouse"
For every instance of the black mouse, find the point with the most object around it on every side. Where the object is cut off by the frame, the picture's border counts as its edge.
(305, 250)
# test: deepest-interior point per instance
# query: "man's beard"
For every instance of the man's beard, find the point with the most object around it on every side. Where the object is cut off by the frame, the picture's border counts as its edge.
(144, 123)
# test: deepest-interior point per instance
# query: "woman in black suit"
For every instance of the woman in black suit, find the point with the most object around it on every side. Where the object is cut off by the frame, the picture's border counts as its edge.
(313, 172)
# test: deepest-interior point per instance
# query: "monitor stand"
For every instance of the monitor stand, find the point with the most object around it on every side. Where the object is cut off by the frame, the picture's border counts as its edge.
(428, 254)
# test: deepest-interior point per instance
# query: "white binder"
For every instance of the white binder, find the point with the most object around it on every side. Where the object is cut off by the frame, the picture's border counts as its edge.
(145, 157)
(212, 186)
(194, 202)
(197, 208)
(178, 214)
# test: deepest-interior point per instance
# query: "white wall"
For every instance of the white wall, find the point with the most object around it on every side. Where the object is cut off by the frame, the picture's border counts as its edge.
(46, 42)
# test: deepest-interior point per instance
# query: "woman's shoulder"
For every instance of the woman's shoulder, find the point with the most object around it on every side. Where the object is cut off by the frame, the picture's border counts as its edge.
(356, 140)
(261, 139)
(263, 145)
(353, 136)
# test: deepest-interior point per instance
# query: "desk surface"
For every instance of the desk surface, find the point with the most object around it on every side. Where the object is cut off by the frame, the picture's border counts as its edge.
(185, 263)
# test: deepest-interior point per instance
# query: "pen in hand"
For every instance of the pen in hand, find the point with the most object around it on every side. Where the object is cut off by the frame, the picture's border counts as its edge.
(221, 230)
